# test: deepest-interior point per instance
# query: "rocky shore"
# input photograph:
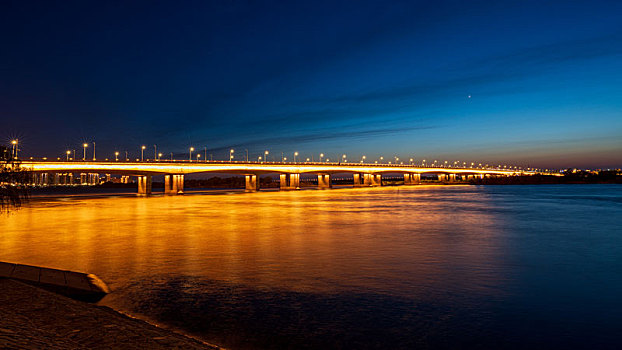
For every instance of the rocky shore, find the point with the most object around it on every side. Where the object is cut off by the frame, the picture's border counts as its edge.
(33, 318)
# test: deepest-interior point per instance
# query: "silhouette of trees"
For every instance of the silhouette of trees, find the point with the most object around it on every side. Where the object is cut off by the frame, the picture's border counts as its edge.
(13, 191)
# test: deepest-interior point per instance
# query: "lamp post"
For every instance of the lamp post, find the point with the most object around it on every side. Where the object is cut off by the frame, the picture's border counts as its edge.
(246, 155)
(205, 151)
(266, 155)
(321, 156)
(381, 159)
(363, 159)
(344, 158)
(191, 150)
(84, 146)
(93, 150)
(68, 153)
(116, 156)
(259, 159)
(295, 155)
(155, 152)
(198, 156)
(159, 156)
(142, 153)
(14, 144)
(231, 151)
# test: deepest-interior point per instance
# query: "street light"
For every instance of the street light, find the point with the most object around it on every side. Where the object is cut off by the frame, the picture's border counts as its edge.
(93, 150)
(155, 152)
(68, 153)
(363, 159)
(84, 146)
(198, 156)
(321, 156)
(116, 156)
(259, 159)
(159, 156)
(14, 144)
(142, 152)
(266, 155)
(295, 155)
(231, 151)
(344, 158)
(191, 150)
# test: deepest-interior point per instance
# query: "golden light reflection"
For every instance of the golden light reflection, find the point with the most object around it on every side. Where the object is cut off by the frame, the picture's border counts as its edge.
(378, 239)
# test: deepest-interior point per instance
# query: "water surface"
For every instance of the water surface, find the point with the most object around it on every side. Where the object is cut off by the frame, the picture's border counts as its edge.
(394, 267)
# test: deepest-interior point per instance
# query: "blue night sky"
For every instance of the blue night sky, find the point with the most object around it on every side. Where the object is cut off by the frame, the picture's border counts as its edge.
(532, 83)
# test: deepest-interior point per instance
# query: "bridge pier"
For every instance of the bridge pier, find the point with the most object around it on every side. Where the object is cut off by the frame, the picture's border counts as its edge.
(452, 177)
(442, 177)
(173, 184)
(359, 179)
(290, 181)
(376, 179)
(144, 185)
(93, 179)
(323, 181)
(412, 179)
(252, 183)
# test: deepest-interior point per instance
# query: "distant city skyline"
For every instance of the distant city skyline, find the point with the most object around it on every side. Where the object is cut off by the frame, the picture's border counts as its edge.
(524, 83)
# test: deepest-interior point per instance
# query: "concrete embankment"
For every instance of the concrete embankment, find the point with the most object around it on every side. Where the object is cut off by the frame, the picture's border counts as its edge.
(76, 285)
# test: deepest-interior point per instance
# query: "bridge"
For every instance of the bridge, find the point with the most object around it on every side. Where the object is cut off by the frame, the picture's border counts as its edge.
(58, 172)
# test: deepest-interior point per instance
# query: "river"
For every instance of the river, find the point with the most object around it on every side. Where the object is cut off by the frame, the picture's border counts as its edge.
(472, 267)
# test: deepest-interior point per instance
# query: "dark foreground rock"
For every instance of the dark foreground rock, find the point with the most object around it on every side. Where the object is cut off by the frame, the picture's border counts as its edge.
(33, 318)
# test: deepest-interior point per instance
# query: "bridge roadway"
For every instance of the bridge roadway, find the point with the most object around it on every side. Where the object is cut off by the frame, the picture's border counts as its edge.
(174, 171)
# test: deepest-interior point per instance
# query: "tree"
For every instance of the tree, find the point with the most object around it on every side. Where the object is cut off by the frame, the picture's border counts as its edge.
(13, 191)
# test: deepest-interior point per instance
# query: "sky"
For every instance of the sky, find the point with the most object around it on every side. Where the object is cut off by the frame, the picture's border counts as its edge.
(530, 83)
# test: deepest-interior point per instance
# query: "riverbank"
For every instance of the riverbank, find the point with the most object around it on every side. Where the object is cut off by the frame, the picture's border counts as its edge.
(33, 318)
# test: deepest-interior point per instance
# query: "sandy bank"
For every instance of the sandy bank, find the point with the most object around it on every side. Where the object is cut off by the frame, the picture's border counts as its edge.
(32, 318)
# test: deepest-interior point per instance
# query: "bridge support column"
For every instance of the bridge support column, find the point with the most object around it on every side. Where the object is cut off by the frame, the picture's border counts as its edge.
(83, 179)
(376, 179)
(173, 184)
(180, 183)
(144, 185)
(323, 181)
(170, 186)
(442, 177)
(252, 183)
(125, 179)
(55, 179)
(408, 179)
(290, 181)
(452, 177)
(359, 179)
(93, 179)
(412, 179)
